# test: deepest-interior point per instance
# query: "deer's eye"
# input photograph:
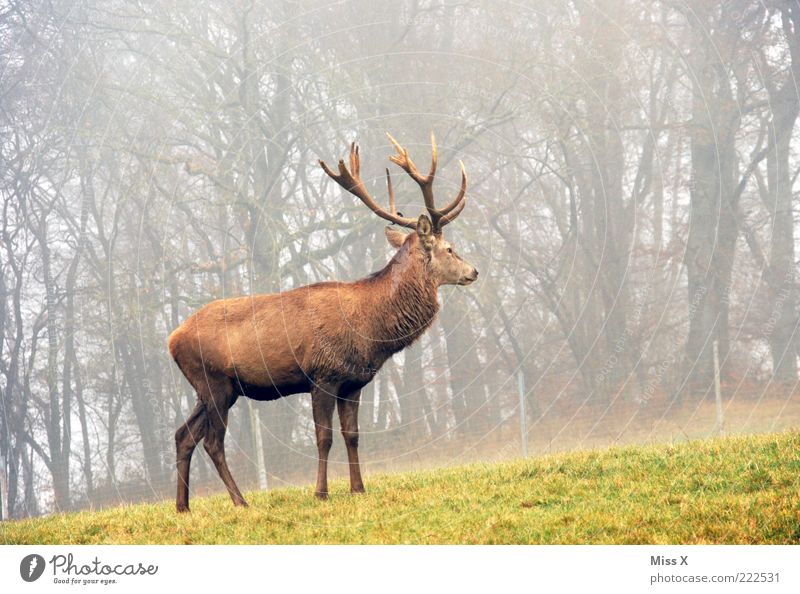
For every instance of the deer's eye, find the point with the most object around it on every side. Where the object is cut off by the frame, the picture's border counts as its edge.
(449, 250)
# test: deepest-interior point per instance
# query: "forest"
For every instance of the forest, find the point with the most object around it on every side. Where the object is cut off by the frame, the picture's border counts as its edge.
(631, 167)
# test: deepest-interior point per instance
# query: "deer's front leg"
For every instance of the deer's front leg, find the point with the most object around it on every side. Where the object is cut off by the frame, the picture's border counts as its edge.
(348, 419)
(323, 400)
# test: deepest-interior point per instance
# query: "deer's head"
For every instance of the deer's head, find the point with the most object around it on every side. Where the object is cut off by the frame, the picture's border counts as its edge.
(444, 264)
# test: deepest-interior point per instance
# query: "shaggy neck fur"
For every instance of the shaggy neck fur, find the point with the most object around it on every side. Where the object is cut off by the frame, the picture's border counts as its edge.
(406, 300)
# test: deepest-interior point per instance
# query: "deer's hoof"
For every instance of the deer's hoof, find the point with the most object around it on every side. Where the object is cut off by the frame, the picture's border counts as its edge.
(182, 509)
(321, 495)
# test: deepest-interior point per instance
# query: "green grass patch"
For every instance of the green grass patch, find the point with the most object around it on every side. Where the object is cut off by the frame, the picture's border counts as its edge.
(741, 489)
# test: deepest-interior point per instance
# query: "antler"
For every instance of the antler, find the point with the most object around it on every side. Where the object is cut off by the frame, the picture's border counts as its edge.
(439, 217)
(350, 180)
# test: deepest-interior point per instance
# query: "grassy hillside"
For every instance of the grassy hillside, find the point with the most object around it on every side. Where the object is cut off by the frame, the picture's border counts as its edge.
(731, 490)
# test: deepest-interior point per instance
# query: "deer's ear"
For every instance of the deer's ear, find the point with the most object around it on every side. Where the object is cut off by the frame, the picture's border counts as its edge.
(395, 237)
(425, 231)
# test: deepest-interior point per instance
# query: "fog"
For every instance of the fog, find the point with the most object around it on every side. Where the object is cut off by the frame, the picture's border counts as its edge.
(631, 209)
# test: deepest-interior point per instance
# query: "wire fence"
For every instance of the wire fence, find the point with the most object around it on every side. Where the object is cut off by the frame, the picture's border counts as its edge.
(531, 426)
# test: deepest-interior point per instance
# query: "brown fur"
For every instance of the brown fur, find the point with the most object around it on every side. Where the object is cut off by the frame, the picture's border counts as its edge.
(328, 339)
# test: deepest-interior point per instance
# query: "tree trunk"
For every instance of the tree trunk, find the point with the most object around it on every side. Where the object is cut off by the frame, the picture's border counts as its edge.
(782, 324)
(413, 394)
(713, 230)
(134, 369)
(462, 358)
(58, 420)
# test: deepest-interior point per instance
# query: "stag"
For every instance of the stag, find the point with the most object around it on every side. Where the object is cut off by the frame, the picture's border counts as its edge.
(328, 339)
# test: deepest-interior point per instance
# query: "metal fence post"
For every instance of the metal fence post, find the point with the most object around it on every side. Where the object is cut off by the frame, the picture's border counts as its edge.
(3, 490)
(718, 391)
(523, 417)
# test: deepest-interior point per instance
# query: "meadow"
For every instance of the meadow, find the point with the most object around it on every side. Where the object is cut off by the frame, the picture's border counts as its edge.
(738, 489)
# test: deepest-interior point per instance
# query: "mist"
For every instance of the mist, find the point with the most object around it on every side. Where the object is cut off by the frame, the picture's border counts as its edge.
(631, 209)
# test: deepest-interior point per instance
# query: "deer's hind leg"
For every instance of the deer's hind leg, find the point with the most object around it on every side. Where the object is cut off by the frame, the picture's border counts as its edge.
(221, 398)
(186, 439)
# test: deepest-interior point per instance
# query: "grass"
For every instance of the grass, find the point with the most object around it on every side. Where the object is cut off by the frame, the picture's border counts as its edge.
(728, 490)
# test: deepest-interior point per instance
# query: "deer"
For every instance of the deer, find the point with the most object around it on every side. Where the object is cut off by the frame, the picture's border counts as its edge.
(328, 339)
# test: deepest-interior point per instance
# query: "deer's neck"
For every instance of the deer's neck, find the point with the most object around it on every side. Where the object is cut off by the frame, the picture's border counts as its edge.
(406, 301)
